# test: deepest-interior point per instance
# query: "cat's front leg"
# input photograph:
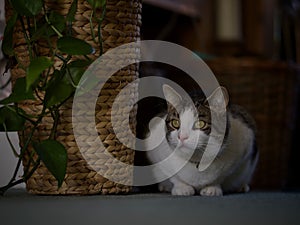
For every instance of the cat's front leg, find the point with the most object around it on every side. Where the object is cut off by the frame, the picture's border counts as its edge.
(215, 190)
(181, 188)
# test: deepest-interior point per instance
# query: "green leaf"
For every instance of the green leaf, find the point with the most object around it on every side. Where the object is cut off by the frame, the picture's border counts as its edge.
(19, 93)
(59, 90)
(54, 156)
(7, 43)
(77, 69)
(97, 3)
(34, 6)
(27, 7)
(74, 46)
(12, 120)
(80, 63)
(89, 82)
(63, 84)
(58, 21)
(36, 67)
(71, 14)
(20, 7)
(45, 29)
(41, 31)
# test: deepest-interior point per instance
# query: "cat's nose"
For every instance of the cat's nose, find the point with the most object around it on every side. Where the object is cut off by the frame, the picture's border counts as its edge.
(183, 137)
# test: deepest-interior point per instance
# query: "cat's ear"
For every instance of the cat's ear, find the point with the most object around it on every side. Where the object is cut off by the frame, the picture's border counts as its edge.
(219, 99)
(171, 95)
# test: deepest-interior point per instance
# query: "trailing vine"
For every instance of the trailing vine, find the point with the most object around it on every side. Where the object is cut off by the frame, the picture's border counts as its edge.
(44, 82)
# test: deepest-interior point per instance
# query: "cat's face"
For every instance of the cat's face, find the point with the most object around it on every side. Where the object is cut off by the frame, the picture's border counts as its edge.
(188, 124)
(188, 129)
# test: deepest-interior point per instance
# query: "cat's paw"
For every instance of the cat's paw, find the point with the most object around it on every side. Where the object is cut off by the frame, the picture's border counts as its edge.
(211, 191)
(183, 190)
(244, 189)
(165, 186)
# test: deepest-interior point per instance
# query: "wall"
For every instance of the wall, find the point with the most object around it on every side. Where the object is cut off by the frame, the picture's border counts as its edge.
(7, 160)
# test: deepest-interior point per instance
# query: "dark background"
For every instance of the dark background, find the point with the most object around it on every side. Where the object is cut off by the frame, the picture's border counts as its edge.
(253, 47)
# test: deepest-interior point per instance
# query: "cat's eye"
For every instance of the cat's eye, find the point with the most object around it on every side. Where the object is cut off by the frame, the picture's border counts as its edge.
(200, 124)
(175, 124)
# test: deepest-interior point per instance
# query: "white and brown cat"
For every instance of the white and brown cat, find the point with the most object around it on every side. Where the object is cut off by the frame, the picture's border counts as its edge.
(188, 132)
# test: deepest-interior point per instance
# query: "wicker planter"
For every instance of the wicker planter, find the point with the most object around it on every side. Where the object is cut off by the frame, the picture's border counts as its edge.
(121, 25)
(268, 90)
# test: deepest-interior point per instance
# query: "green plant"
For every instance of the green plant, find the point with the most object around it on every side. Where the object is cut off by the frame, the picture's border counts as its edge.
(44, 82)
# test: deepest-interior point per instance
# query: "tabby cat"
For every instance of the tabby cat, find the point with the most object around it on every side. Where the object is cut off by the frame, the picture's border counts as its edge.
(187, 128)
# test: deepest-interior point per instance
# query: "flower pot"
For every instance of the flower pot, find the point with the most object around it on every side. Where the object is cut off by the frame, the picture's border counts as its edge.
(121, 25)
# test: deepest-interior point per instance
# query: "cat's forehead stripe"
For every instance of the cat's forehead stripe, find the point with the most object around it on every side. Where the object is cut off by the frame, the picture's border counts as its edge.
(188, 118)
(189, 112)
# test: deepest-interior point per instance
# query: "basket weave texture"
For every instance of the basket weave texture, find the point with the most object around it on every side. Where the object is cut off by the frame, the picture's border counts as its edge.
(121, 25)
(267, 89)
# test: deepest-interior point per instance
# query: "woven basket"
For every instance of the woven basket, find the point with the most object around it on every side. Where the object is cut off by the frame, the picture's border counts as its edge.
(267, 90)
(121, 25)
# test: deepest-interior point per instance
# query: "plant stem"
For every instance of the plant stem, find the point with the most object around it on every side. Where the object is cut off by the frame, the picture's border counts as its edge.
(12, 182)
(23, 179)
(24, 148)
(99, 28)
(20, 113)
(33, 47)
(9, 141)
(55, 116)
(99, 20)
(38, 96)
(29, 162)
(61, 57)
(91, 26)
(26, 38)
(16, 170)
(19, 62)
(46, 78)
(71, 78)
(9, 185)
(22, 152)
(53, 27)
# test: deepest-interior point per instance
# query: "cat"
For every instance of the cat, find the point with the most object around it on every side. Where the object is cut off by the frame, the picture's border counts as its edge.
(188, 132)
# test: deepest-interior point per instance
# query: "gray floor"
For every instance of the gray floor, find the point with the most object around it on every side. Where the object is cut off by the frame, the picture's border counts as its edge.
(17, 207)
